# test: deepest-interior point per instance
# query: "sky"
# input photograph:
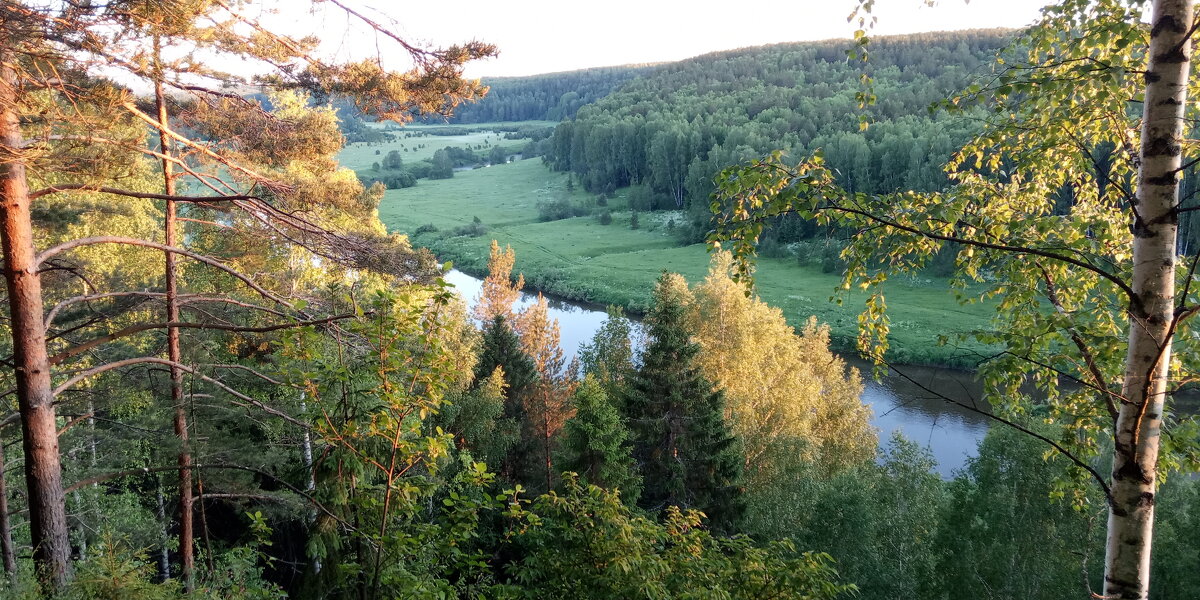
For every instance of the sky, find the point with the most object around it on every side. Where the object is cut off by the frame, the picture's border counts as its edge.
(543, 36)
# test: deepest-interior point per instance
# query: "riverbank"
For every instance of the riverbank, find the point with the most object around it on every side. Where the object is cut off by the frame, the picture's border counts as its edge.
(580, 259)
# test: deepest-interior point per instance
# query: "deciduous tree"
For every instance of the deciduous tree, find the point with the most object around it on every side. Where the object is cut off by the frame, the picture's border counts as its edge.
(1092, 292)
(786, 395)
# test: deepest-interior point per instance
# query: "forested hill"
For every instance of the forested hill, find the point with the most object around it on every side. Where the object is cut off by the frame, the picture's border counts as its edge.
(676, 126)
(546, 97)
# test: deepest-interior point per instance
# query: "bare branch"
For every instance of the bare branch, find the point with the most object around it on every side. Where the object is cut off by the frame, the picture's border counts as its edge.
(162, 361)
(69, 245)
(1074, 459)
(83, 187)
(132, 329)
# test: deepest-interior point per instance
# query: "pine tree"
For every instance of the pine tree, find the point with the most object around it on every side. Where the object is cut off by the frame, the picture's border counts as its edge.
(499, 291)
(688, 456)
(595, 443)
(476, 420)
(547, 405)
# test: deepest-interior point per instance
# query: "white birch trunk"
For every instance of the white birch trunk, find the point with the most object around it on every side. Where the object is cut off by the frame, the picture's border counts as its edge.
(1152, 309)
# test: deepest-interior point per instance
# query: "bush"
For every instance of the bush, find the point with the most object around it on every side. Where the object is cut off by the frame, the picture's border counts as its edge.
(633, 220)
(602, 200)
(426, 228)
(831, 258)
(498, 155)
(606, 218)
(561, 208)
(474, 229)
(395, 181)
(643, 198)
(770, 247)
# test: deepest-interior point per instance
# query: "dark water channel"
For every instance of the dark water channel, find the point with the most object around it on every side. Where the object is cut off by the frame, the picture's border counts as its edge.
(950, 432)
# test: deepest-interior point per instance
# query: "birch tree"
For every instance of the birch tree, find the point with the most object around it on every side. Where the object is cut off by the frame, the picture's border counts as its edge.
(1076, 248)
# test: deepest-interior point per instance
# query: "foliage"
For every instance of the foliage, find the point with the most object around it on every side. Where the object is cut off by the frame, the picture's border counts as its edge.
(787, 396)
(476, 419)
(595, 443)
(1000, 536)
(677, 126)
(608, 358)
(588, 544)
(499, 291)
(560, 208)
(878, 519)
(551, 97)
(687, 455)
(1077, 242)
(580, 259)
(547, 405)
(116, 572)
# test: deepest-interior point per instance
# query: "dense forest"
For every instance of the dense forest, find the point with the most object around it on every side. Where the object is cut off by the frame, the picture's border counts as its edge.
(675, 128)
(546, 97)
(225, 379)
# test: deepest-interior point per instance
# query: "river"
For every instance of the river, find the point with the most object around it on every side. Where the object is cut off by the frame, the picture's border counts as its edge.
(951, 433)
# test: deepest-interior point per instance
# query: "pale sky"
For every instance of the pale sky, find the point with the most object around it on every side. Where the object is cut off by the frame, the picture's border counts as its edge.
(541, 36)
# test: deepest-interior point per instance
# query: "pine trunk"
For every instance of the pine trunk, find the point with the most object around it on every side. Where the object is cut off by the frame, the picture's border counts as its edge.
(43, 471)
(187, 557)
(1152, 309)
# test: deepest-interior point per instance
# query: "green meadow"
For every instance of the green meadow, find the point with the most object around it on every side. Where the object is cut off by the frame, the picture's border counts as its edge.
(360, 155)
(580, 259)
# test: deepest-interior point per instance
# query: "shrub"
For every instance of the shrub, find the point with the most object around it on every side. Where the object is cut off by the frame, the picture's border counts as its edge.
(633, 220)
(831, 258)
(397, 180)
(426, 228)
(606, 218)
(475, 229)
(560, 208)
(770, 247)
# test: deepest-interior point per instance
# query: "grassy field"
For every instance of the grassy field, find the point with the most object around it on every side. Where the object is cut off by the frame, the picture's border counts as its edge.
(581, 259)
(360, 155)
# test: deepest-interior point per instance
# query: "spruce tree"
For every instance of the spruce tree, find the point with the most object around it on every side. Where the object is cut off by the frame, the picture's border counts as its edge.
(595, 443)
(687, 454)
(502, 350)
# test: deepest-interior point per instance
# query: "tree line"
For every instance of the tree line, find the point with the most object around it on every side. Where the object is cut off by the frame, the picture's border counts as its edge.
(545, 97)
